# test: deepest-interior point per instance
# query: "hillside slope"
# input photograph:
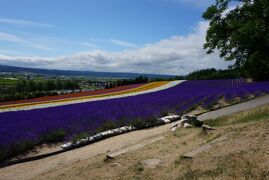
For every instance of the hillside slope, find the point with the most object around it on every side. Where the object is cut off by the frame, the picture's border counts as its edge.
(242, 155)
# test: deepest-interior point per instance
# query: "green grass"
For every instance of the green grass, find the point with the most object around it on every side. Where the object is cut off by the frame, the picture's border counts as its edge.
(257, 114)
(226, 166)
(8, 82)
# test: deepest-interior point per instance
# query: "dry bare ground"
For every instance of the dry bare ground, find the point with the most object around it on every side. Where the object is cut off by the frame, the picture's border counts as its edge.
(243, 155)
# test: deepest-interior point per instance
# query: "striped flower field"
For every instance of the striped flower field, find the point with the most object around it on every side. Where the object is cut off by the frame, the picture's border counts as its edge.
(22, 130)
(74, 95)
(78, 98)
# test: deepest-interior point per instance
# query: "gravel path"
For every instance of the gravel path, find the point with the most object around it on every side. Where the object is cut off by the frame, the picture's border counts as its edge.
(61, 103)
(235, 108)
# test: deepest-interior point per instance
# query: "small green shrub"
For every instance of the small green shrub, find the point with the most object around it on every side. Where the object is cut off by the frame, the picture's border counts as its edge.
(55, 136)
(150, 121)
(138, 123)
(197, 123)
(16, 149)
(121, 122)
(138, 167)
(81, 136)
(106, 126)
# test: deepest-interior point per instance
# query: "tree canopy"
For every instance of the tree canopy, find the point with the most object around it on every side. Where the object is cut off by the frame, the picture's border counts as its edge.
(212, 73)
(240, 34)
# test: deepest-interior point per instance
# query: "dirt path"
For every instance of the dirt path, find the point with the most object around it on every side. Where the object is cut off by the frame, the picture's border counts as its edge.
(235, 108)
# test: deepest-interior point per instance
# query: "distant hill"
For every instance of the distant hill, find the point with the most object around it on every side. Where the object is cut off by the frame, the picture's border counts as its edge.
(14, 69)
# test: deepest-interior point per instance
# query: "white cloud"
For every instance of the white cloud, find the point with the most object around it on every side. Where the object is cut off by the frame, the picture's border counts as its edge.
(24, 23)
(7, 37)
(175, 55)
(87, 44)
(64, 42)
(41, 43)
(10, 52)
(122, 43)
(11, 38)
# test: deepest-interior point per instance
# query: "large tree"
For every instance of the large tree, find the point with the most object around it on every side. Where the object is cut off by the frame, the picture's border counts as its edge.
(240, 34)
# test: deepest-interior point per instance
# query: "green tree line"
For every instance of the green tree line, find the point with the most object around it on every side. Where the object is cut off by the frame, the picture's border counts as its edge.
(49, 85)
(27, 89)
(122, 82)
(212, 73)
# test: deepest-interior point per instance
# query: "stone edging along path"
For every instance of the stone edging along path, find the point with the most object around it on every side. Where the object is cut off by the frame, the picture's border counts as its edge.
(41, 105)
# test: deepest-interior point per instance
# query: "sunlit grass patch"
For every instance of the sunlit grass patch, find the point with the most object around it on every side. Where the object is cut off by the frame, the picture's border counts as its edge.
(257, 114)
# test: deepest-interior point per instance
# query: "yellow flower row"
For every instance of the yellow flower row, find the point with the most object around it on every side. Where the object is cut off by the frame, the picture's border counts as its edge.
(138, 89)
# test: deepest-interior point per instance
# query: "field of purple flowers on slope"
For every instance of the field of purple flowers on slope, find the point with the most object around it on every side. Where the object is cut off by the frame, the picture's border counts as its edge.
(22, 130)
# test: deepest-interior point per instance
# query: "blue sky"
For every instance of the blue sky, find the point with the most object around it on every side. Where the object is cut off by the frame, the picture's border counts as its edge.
(108, 35)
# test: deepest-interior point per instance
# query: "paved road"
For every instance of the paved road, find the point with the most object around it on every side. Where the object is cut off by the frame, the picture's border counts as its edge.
(235, 108)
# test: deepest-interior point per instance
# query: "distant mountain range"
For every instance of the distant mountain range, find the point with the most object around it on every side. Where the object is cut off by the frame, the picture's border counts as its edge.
(14, 69)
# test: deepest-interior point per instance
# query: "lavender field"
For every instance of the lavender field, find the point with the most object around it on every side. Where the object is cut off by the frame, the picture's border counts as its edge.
(22, 130)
